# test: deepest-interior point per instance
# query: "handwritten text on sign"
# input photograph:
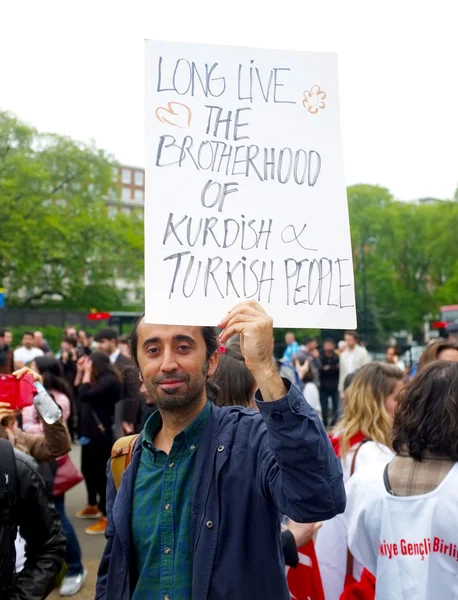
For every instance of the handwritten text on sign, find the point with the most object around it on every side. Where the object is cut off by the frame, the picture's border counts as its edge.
(245, 190)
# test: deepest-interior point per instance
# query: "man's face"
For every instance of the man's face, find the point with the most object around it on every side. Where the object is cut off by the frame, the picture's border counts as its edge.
(107, 346)
(328, 347)
(27, 341)
(71, 332)
(173, 365)
(289, 339)
(38, 337)
(350, 341)
(8, 338)
(312, 345)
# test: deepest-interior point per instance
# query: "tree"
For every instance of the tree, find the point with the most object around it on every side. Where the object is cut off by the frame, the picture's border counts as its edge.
(409, 253)
(57, 243)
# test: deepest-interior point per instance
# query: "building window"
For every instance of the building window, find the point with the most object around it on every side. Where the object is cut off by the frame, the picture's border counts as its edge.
(138, 196)
(113, 194)
(112, 212)
(126, 194)
(139, 178)
(126, 211)
(126, 176)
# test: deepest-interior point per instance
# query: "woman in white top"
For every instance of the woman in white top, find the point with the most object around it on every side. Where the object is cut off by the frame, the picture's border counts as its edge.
(311, 392)
(361, 437)
(403, 517)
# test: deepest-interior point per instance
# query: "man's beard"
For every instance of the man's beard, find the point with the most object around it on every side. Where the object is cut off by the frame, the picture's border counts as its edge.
(175, 400)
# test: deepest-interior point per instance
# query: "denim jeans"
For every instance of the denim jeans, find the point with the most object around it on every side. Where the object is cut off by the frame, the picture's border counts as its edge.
(73, 553)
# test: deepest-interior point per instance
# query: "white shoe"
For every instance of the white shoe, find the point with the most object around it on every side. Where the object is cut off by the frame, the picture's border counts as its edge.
(72, 584)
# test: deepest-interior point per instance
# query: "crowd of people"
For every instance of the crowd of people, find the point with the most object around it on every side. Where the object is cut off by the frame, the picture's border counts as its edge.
(236, 465)
(96, 385)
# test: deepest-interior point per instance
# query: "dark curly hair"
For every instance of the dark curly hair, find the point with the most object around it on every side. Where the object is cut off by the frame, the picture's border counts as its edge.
(210, 335)
(427, 414)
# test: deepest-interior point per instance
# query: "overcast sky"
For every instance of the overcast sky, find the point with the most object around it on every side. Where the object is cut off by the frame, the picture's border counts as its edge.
(76, 68)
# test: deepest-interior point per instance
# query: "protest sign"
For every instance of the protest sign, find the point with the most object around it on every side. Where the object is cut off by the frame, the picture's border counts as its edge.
(245, 190)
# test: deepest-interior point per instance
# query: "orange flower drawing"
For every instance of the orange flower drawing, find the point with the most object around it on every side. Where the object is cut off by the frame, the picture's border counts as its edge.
(314, 99)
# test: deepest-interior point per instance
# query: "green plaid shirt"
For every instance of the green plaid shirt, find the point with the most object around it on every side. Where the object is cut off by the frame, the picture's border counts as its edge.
(161, 522)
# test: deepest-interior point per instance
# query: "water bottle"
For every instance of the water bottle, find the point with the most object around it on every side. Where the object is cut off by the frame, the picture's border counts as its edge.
(49, 411)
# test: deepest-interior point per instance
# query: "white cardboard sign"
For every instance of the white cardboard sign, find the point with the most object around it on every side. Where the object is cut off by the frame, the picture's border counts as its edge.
(245, 189)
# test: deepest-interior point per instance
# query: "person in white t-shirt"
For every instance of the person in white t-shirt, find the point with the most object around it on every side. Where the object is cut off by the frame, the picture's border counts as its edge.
(403, 517)
(361, 437)
(352, 358)
(27, 352)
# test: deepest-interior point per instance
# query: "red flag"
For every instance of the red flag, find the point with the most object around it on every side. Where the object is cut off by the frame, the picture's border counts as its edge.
(304, 581)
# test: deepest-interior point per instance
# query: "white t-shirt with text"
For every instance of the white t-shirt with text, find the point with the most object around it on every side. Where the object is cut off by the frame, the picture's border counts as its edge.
(409, 543)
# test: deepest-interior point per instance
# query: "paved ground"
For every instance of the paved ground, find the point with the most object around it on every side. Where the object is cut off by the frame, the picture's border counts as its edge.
(91, 545)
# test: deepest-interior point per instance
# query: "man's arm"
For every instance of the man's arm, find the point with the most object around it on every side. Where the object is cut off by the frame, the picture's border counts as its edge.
(300, 470)
(52, 443)
(365, 358)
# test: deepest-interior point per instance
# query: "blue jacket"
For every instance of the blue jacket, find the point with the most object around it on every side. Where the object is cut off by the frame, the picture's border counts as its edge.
(250, 469)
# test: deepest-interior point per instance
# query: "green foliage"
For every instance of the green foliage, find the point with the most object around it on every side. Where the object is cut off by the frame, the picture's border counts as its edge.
(58, 245)
(410, 258)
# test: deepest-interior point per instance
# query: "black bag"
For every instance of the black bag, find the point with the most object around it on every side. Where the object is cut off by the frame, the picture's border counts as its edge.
(8, 495)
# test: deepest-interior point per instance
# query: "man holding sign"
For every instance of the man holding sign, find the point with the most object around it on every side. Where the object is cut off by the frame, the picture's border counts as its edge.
(199, 509)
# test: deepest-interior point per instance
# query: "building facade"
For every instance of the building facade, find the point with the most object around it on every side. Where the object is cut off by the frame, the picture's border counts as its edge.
(128, 194)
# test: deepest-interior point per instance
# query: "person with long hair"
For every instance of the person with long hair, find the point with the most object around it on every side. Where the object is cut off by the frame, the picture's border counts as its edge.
(236, 384)
(392, 358)
(310, 389)
(362, 436)
(403, 516)
(99, 388)
(53, 379)
(440, 349)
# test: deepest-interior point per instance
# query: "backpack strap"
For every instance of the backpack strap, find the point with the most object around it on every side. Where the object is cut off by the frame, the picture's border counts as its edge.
(121, 456)
(352, 470)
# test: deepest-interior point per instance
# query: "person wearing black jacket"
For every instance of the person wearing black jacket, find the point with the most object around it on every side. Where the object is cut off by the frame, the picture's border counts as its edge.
(26, 505)
(128, 410)
(329, 378)
(99, 390)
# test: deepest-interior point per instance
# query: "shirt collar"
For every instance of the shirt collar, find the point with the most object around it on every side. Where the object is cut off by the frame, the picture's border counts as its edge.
(114, 356)
(191, 433)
